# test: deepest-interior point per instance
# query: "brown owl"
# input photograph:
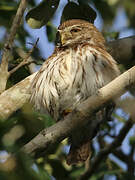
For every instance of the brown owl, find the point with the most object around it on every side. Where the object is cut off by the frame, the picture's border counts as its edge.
(79, 66)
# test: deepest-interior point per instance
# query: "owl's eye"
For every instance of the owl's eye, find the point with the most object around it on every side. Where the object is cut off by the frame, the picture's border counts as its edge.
(74, 30)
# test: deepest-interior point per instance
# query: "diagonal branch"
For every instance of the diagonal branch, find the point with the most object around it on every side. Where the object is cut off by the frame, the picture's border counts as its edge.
(23, 55)
(82, 113)
(106, 151)
(15, 97)
(8, 46)
(126, 158)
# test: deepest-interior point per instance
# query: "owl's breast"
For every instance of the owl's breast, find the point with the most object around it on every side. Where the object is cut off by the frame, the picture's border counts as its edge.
(69, 78)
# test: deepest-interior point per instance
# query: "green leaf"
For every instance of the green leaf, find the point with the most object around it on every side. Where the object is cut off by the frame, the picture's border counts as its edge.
(51, 32)
(41, 14)
(8, 6)
(84, 1)
(7, 10)
(43, 174)
(76, 172)
(31, 170)
(132, 140)
(111, 35)
(119, 118)
(6, 17)
(59, 171)
(107, 12)
(81, 11)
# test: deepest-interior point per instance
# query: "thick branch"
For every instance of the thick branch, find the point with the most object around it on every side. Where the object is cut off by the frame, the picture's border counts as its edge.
(123, 50)
(8, 45)
(14, 98)
(106, 151)
(82, 113)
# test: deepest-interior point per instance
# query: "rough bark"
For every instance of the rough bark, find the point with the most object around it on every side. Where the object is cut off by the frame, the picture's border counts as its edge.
(14, 98)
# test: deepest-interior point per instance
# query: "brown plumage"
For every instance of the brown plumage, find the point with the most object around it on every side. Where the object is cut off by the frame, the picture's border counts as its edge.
(79, 66)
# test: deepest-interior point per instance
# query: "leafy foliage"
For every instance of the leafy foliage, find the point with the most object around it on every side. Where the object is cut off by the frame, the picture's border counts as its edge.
(41, 14)
(25, 124)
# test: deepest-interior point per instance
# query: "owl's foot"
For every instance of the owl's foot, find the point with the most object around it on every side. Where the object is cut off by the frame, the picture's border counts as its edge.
(67, 111)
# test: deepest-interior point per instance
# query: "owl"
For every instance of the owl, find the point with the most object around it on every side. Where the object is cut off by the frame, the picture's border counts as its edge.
(79, 66)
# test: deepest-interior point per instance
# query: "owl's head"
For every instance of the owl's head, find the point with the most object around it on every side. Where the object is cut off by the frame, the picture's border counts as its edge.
(79, 31)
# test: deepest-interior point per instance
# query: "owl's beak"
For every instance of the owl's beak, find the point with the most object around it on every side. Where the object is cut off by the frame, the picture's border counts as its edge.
(64, 37)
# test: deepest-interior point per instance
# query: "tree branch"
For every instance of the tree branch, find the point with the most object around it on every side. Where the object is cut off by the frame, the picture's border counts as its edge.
(82, 113)
(23, 55)
(14, 98)
(128, 159)
(106, 151)
(4, 74)
(26, 60)
(126, 55)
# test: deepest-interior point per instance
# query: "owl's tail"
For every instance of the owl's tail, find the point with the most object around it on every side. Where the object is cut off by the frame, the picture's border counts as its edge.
(81, 139)
(79, 154)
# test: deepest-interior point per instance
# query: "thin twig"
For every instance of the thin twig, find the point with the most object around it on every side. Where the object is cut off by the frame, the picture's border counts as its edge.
(26, 60)
(23, 63)
(34, 46)
(106, 151)
(31, 66)
(126, 158)
(4, 74)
